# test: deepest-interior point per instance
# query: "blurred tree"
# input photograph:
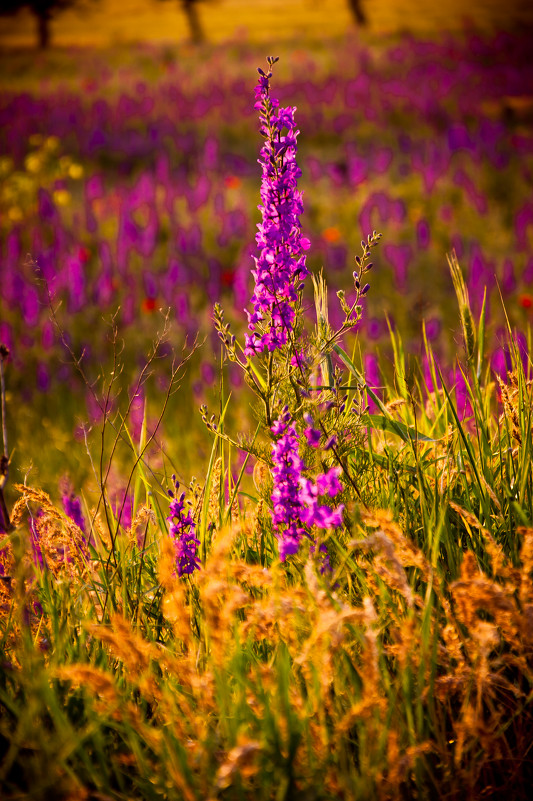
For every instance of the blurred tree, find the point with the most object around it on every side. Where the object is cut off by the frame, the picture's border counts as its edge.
(43, 11)
(190, 8)
(357, 12)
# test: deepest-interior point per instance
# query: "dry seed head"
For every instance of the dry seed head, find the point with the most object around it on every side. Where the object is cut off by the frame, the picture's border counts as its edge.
(175, 608)
(219, 561)
(395, 774)
(101, 533)
(405, 641)
(144, 517)
(499, 560)
(253, 576)
(220, 601)
(214, 495)
(526, 558)
(81, 675)
(261, 476)
(239, 761)
(62, 545)
(474, 591)
(510, 399)
(18, 511)
(235, 510)
(256, 526)
(42, 499)
(453, 643)
(166, 567)
(467, 320)
(395, 404)
(99, 685)
(467, 516)
(134, 651)
(486, 636)
(7, 562)
(386, 562)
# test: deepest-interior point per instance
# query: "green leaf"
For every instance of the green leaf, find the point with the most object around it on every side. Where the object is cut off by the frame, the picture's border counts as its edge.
(382, 422)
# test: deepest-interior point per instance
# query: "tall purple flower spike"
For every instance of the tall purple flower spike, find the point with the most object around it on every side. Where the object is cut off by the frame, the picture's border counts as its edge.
(280, 266)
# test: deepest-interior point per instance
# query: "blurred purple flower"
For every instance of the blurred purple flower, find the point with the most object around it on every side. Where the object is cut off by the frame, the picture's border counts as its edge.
(47, 210)
(43, 377)
(423, 235)
(372, 376)
(433, 328)
(72, 506)
(399, 257)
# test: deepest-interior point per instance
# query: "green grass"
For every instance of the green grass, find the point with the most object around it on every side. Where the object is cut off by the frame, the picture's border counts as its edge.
(406, 673)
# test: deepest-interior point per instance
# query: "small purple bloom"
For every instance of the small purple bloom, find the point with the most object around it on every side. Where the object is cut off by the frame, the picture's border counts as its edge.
(313, 436)
(183, 531)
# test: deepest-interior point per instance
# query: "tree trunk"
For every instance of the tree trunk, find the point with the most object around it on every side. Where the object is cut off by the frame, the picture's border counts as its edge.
(193, 18)
(43, 29)
(357, 12)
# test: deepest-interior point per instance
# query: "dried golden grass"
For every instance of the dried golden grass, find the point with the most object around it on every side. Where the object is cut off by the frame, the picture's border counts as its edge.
(59, 539)
(332, 669)
(213, 512)
(144, 517)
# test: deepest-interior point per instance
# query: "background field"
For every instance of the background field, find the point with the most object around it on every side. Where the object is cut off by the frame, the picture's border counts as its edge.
(114, 22)
(138, 162)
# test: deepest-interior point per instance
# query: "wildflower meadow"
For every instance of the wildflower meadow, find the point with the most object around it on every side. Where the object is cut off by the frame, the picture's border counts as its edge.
(266, 494)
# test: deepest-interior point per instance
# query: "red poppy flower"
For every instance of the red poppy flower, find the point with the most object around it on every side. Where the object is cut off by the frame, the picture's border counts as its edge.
(83, 254)
(331, 234)
(232, 181)
(227, 277)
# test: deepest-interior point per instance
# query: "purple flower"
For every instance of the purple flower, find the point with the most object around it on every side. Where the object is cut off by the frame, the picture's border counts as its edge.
(295, 498)
(313, 436)
(72, 507)
(328, 483)
(280, 266)
(183, 530)
(323, 558)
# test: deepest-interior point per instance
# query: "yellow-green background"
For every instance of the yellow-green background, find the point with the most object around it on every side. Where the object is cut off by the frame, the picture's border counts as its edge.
(104, 22)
